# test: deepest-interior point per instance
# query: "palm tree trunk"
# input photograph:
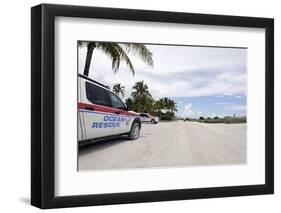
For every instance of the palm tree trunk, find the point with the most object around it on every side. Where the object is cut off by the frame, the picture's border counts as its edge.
(90, 48)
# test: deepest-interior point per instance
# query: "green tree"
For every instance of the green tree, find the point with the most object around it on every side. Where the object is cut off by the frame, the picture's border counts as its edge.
(141, 97)
(157, 106)
(167, 104)
(162, 104)
(119, 89)
(130, 104)
(117, 52)
(172, 106)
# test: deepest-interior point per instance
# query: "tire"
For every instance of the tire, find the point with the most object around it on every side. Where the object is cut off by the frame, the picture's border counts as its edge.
(135, 131)
(153, 121)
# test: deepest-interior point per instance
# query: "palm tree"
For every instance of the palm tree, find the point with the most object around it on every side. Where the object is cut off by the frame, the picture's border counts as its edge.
(172, 106)
(167, 104)
(141, 97)
(117, 52)
(130, 104)
(164, 103)
(119, 89)
(158, 105)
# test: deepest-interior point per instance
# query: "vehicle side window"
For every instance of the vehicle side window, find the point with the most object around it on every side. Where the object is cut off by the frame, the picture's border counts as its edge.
(143, 115)
(116, 101)
(97, 95)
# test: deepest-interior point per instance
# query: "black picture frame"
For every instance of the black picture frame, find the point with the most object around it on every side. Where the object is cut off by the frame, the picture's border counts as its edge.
(43, 102)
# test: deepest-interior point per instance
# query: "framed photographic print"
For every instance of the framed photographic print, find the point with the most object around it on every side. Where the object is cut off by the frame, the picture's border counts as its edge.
(139, 106)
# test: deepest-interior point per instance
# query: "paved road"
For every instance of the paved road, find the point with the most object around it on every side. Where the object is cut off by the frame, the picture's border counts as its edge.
(178, 143)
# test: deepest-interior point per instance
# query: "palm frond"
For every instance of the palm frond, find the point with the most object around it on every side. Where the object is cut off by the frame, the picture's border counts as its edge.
(119, 89)
(83, 43)
(116, 54)
(139, 50)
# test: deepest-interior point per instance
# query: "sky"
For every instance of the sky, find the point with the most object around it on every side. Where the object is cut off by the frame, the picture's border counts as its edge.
(204, 81)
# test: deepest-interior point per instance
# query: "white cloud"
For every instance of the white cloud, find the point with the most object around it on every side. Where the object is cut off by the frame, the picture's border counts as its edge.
(213, 115)
(188, 112)
(178, 71)
(221, 103)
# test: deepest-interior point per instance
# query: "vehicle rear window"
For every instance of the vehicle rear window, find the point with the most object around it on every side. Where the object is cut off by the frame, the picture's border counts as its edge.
(143, 115)
(97, 95)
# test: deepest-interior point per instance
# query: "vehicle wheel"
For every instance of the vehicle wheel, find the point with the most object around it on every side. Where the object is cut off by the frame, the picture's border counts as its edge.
(135, 131)
(153, 121)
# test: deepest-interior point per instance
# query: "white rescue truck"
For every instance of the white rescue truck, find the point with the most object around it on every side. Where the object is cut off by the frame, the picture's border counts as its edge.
(102, 114)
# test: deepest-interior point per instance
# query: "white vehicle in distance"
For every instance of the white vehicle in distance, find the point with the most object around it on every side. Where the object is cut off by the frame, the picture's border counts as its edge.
(146, 117)
(102, 114)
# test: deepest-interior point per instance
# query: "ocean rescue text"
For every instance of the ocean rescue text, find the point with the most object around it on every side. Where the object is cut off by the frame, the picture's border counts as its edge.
(110, 122)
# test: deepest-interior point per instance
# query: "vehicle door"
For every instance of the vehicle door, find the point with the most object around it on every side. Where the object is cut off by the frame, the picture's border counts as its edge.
(122, 119)
(96, 111)
(144, 117)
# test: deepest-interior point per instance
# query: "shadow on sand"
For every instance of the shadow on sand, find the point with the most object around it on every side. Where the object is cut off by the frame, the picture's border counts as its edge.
(104, 144)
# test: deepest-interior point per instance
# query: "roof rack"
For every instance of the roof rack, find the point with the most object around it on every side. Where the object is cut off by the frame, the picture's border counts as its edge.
(89, 79)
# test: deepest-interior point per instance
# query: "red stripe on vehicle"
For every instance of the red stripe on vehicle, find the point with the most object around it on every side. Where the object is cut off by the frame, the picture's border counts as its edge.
(100, 108)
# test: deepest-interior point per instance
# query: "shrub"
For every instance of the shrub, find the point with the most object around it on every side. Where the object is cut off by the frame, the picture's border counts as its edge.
(166, 117)
(226, 120)
(232, 120)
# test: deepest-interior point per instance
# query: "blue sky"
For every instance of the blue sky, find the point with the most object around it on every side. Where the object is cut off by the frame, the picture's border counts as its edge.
(211, 106)
(204, 81)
